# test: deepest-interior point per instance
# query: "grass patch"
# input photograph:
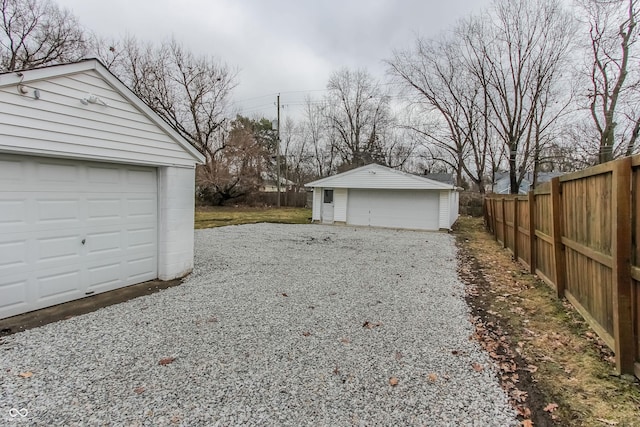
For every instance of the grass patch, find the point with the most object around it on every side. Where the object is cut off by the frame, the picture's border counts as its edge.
(219, 216)
(560, 358)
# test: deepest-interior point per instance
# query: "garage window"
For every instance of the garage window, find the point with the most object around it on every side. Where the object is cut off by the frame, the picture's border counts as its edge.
(328, 196)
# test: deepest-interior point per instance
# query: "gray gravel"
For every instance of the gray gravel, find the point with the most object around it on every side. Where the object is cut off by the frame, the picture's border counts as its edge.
(268, 330)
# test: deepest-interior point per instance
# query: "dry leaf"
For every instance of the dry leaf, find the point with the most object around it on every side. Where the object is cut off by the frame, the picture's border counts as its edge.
(477, 367)
(398, 355)
(306, 334)
(551, 407)
(139, 390)
(371, 325)
(393, 381)
(532, 368)
(527, 423)
(284, 294)
(433, 378)
(26, 374)
(166, 361)
(345, 340)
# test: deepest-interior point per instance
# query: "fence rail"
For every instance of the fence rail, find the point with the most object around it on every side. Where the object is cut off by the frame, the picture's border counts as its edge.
(579, 234)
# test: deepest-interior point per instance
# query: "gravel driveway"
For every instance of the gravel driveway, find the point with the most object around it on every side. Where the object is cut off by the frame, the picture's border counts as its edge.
(278, 325)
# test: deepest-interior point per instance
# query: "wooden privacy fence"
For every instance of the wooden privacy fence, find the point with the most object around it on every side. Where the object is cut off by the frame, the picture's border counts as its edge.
(579, 233)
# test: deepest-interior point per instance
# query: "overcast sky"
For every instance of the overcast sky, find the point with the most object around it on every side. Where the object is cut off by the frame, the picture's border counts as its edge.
(279, 46)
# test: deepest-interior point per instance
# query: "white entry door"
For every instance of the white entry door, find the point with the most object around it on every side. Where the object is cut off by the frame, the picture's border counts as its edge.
(327, 206)
(71, 228)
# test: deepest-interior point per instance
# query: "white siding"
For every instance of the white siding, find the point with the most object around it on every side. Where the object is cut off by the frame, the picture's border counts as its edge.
(454, 207)
(175, 212)
(444, 210)
(340, 204)
(59, 125)
(317, 204)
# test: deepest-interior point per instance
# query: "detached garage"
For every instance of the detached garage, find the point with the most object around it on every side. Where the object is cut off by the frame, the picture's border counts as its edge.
(378, 196)
(96, 190)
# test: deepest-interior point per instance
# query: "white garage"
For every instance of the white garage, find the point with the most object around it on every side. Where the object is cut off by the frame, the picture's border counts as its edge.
(378, 196)
(96, 191)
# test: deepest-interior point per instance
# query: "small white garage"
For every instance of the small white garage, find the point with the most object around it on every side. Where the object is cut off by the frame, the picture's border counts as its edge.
(96, 190)
(378, 196)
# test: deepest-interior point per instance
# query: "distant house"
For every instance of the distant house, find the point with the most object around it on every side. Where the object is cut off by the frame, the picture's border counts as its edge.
(379, 196)
(502, 184)
(446, 178)
(270, 183)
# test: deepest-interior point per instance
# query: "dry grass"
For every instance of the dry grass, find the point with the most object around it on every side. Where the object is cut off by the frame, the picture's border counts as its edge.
(208, 217)
(566, 363)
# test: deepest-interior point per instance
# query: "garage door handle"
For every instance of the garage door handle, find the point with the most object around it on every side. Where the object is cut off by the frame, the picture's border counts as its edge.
(83, 241)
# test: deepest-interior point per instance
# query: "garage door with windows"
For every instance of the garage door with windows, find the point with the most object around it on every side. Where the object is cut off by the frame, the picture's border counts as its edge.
(73, 228)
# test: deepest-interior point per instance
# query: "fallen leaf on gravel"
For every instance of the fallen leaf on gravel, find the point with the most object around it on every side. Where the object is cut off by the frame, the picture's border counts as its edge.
(139, 390)
(477, 367)
(26, 374)
(532, 368)
(527, 423)
(306, 334)
(371, 325)
(608, 422)
(284, 294)
(551, 407)
(433, 378)
(166, 360)
(393, 381)
(398, 355)
(345, 340)
(524, 411)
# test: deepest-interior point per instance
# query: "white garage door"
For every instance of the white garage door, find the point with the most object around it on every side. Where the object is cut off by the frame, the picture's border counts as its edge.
(393, 208)
(69, 229)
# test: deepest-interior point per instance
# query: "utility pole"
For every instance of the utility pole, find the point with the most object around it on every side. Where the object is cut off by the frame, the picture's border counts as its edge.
(278, 151)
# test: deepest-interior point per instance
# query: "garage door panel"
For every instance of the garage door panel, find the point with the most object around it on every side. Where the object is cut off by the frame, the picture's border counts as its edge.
(141, 268)
(104, 242)
(100, 209)
(56, 205)
(59, 284)
(13, 296)
(104, 276)
(59, 248)
(59, 173)
(141, 238)
(13, 254)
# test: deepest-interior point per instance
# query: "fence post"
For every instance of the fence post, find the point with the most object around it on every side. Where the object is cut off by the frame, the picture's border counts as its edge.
(558, 247)
(532, 232)
(504, 225)
(621, 254)
(515, 227)
(494, 202)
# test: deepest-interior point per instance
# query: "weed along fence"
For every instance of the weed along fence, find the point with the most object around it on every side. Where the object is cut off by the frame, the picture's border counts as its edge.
(579, 233)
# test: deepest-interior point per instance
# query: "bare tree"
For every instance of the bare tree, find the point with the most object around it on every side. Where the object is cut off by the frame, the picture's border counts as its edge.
(614, 79)
(447, 85)
(319, 134)
(358, 110)
(35, 33)
(525, 44)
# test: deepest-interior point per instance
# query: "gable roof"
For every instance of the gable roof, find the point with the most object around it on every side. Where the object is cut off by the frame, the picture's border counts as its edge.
(59, 70)
(375, 176)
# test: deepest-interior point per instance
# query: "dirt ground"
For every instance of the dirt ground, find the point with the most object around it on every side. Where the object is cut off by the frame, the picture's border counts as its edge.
(555, 369)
